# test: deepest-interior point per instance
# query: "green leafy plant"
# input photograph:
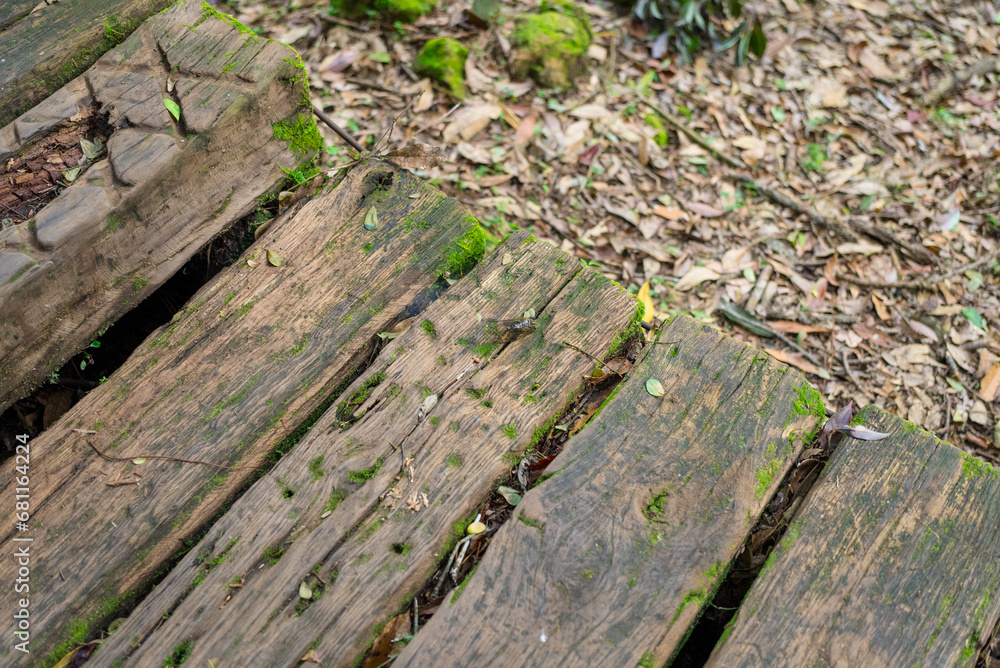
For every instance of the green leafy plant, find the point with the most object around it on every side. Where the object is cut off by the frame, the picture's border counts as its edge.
(690, 25)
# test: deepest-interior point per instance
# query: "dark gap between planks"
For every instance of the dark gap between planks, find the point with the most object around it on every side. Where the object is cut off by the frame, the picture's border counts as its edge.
(720, 612)
(494, 512)
(86, 370)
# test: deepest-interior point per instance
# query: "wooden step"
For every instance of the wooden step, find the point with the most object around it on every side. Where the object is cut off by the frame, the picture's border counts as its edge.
(45, 44)
(893, 560)
(163, 188)
(237, 371)
(611, 560)
(391, 524)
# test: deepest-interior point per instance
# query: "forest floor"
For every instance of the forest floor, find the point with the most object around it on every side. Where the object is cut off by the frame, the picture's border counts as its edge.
(863, 211)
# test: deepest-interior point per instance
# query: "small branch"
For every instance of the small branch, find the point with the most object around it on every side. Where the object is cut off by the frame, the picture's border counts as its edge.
(581, 350)
(169, 459)
(949, 84)
(697, 138)
(927, 283)
(789, 203)
(339, 130)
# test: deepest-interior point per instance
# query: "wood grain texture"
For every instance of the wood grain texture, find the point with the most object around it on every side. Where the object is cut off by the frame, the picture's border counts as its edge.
(893, 560)
(253, 353)
(164, 188)
(42, 50)
(372, 551)
(609, 562)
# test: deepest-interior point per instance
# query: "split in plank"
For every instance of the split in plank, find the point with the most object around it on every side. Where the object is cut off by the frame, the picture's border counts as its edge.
(893, 560)
(610, 560)
(163, 189)
(45, 44)
(430, 398)
(255, 352)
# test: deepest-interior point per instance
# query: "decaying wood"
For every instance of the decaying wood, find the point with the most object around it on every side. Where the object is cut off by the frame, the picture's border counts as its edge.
(161, 191)
(388, 532)
(893, 560)
(253, 353)
(609, 562)
(44, 44)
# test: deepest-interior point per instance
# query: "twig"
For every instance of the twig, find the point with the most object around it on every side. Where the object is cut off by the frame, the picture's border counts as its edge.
(787, 202)
(416, 622)
(169, 459)
(373, 86)
(581, 350)
(848, 371)
(949, 84)
(927, 282)
(697, 138)
(339, 130)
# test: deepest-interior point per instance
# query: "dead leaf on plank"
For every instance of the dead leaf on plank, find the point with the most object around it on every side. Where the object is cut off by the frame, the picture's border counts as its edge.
(273, 258)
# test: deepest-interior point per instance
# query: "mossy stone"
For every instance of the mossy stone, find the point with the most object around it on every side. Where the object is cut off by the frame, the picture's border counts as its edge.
(443, 60)
(389, 10)
(552, 44)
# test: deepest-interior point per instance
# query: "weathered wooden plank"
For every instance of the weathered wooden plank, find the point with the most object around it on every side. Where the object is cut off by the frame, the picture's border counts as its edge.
(611, 559)
(12, 10)
(372, 553)
(165, 187)
(237, 370)
(43, 49)
(893, 560)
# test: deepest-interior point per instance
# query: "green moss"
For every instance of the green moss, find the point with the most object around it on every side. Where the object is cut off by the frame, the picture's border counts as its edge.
(454, 461)
(464, 253)
(337, 497)
(696, 596)
(648, 660)
(443, 60)
(209, 12)
(551, 45)
(973, 467)
(139, 284)
(386, 10)
(179, 655)
(360, 476)
(662, 138)
(460, 588)
(810, 402)
(527, 521)
(316, 468)
(442, 361)
(477, 394)
(301, 134)
(765, 475)
(428, 327)
(273, 553)
(509, 430)
(631, 332)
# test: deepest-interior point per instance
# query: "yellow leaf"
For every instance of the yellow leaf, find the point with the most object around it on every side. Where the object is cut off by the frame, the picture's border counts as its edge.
(646, 301)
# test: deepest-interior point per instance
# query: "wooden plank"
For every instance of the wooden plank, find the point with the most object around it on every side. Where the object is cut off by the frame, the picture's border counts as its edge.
(893, 560)
(165, 187)
(12, 10)
(250, 357)
(373, 551)
(43, 49)
(611, 559)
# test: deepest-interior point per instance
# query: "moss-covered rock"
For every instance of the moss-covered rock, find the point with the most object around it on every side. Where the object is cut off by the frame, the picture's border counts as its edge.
(551, 45)
(387, 10)
(443, 60)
